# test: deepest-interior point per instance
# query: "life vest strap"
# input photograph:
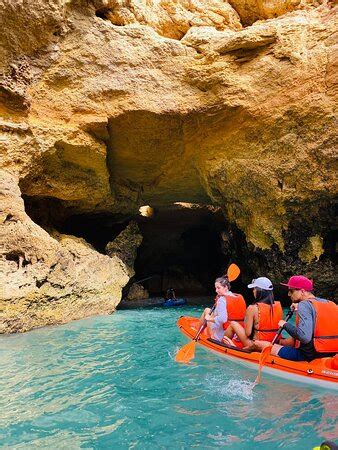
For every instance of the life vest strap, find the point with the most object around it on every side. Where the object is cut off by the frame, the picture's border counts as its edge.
(325, 337)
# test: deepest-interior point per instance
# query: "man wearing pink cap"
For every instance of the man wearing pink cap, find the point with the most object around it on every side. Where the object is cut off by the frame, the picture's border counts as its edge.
(315, 334)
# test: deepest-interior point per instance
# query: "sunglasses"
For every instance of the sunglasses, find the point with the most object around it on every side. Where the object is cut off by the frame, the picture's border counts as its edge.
(292, 290)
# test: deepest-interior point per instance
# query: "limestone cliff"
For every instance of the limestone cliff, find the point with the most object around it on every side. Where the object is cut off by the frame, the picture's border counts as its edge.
(110, 105)
(49, 278)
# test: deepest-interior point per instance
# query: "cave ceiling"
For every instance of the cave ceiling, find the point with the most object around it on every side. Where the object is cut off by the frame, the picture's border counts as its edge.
(105, 112)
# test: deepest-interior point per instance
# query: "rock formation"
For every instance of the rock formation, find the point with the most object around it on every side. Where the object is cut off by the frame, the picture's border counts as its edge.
(47, 277)
(125, 245)
(137, 292)
(110, 105)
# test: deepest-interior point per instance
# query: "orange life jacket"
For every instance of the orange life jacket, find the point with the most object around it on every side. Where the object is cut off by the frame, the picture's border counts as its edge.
(325, 334)
(268, 318)
(236, 308)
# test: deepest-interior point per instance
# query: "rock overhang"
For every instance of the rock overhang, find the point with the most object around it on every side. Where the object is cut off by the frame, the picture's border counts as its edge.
(103, 118)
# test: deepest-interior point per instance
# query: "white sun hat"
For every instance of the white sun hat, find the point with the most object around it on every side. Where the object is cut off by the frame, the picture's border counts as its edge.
(262, 283)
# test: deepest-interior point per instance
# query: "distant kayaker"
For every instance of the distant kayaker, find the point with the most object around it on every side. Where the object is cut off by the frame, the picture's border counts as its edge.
(315, 334)
(170, 295)
(219, 316)
(261, 318)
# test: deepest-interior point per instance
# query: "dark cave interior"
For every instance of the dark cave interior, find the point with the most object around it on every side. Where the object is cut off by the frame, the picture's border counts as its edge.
(187, 246)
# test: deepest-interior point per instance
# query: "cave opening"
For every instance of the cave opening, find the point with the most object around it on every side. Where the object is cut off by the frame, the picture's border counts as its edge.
(182, 249)
(185, 246)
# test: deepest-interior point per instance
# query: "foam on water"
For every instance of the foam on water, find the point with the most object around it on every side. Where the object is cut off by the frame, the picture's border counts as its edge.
(112, 382)
(229, 385)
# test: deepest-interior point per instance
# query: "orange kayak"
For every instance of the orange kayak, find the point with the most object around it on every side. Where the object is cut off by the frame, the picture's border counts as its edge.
(320, 372)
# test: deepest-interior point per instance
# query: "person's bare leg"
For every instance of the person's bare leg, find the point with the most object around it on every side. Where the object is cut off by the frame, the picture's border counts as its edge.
(202, 318)
(229, 332)
(240, 332)
(275, 349)
(228, 341)
(236, 328)
(257, 346)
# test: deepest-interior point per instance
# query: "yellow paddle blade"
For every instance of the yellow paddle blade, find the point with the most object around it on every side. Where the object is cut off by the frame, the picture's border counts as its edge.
(233, 272)
(263, 357)
(186, 353)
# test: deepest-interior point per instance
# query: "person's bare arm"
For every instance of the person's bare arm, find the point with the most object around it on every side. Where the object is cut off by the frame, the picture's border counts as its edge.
(287, 341)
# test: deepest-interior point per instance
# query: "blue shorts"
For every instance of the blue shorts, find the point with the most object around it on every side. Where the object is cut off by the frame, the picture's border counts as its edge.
(291, 353)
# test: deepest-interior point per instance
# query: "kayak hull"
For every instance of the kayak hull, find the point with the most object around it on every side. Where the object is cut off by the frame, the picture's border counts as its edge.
(318, 372)
(177, 302)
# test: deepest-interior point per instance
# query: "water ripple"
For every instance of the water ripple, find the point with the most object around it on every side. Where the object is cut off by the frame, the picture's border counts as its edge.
(112, 381)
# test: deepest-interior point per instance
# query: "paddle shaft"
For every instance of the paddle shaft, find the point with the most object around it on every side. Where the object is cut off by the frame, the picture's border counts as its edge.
(287, 318)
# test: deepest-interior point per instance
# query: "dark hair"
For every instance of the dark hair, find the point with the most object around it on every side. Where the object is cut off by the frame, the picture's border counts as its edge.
(223, 281)
(264, 296)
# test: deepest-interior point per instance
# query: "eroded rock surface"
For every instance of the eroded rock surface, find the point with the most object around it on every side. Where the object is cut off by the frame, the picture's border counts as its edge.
(125, 245)
(49, 278)
(252, 10)
(137, 292)
(107, 106)
(170, 19)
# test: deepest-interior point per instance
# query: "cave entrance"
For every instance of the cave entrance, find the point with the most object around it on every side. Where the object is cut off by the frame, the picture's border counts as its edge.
(185, 246)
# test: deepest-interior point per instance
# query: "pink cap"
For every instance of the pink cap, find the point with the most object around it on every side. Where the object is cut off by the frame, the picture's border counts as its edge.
(299, 282)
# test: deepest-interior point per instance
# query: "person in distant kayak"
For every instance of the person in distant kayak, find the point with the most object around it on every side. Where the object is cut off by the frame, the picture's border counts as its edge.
(261, 318)
(315, 334)
(170, 295)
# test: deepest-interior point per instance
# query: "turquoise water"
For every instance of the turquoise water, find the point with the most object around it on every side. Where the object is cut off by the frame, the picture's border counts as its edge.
(111, 382)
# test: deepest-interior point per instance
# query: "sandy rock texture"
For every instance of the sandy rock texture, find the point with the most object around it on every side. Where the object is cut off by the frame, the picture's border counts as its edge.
(137, 292)
(110, 105)
(47, 277)
(252, 10)
(170, 19)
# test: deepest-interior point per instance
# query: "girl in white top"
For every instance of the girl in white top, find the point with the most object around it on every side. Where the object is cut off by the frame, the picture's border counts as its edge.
(216, 318)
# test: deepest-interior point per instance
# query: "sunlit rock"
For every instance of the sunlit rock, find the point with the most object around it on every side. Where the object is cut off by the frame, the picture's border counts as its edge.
(108, 106)
(47, 277)
(312, 249)
(171, 19)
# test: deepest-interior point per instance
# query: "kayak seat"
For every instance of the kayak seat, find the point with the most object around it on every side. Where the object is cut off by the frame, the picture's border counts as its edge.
(328, 363)
(334, 362)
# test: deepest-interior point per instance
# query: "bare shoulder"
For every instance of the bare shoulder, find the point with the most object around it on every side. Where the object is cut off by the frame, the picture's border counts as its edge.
(251, 309)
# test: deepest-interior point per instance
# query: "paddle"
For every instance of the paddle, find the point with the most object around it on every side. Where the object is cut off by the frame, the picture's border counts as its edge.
(187, 352)
(266, 351)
